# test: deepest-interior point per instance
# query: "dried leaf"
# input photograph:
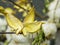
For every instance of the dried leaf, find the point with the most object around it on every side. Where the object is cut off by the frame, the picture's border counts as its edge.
(30, 17)
(13, 22)
(32, 27)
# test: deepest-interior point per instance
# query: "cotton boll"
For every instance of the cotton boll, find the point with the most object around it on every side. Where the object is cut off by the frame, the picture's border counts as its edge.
(51, 16)
(57, 17)
(53, 5)
(54, 17)
(49, 28)
(57, 13)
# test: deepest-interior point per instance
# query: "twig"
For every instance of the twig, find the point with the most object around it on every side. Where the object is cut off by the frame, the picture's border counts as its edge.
(7, 33)
(17, 5)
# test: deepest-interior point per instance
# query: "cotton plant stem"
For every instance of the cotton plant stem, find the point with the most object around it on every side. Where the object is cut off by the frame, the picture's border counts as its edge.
(8, 33)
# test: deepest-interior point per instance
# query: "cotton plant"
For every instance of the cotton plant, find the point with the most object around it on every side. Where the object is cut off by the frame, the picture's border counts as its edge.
(54, 12)
(20, 39)
(17, 38)
(27, 27)
(31, 26)
(49, 30)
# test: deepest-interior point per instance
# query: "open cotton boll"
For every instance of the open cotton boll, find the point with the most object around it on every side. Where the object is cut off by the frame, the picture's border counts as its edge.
(57, 13)
(49, 29)
(54, 17)
(3, 24)
(53, 5)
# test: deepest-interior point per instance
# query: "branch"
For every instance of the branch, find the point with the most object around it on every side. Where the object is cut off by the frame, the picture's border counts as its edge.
(17, 5)
(7, 32)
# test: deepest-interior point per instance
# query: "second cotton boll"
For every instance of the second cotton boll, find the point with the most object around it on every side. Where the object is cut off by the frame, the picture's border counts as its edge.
(49, 29)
